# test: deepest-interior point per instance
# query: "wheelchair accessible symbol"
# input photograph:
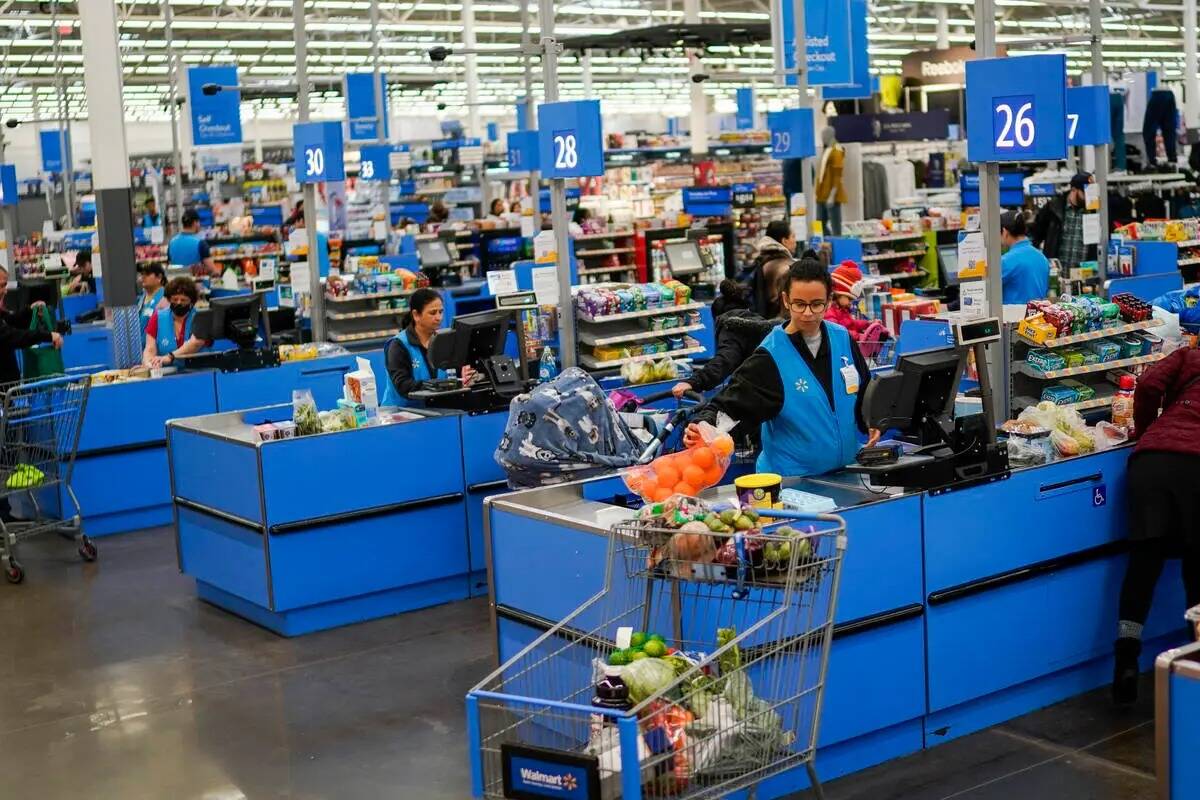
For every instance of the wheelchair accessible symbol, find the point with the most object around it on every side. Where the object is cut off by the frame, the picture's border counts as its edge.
(1099, 496)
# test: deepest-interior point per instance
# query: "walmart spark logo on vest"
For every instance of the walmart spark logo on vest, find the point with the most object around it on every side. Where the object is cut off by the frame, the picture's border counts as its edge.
(801, 385)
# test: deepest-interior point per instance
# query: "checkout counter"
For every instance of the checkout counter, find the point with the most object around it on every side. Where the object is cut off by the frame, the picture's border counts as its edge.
(964, 601)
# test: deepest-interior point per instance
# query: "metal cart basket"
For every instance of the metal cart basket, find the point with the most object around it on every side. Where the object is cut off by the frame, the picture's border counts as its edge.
(736, 701)
(40, 423)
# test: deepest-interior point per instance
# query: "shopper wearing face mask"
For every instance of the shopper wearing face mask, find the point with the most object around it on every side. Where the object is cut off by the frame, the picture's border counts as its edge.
(1058, 229)
(169, 332)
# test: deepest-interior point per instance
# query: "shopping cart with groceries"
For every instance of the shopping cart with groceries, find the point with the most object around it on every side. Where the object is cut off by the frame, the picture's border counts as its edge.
(40, 422)
(697, 670)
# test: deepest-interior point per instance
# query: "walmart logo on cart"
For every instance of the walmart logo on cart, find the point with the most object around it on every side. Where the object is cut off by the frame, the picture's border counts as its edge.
(565, 782)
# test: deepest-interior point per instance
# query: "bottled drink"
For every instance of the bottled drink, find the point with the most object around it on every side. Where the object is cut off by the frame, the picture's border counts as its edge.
(611, 693)
(1122, 403)
(548, 366)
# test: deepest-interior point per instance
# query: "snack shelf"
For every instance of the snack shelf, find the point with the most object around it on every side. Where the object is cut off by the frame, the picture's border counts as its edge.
(607, 270)
(587, 337)
(379, 312)
(592, 363)
(361, 337)
(1187, 262)
(899, 276)
(351, 298)
(1189, 243)
(608, 251)
(649, 312)
(591, 237)
(1103, 366)
(890, 256)
(890, 237)
(241, 256)
(1103, 398)
(1091, 336)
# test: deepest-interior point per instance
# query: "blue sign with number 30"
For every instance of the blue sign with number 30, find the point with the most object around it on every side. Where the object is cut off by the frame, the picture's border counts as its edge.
(1007, 123)
(318, 151)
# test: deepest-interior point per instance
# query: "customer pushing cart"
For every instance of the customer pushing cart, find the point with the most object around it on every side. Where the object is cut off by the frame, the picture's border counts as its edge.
(39, 434)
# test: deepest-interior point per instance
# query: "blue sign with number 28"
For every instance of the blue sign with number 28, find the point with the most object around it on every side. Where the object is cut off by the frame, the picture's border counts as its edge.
(570, 139)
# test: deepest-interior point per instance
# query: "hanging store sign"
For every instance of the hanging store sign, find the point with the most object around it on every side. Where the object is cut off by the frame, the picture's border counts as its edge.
(318, 151)
(1017, 108)
(216, 118)
(891, 127)
(572, 196)
(571, 139)
(708, 201)
(1088, 116)
(523, 150)
(8, 185)
(947, 65)
(400, 157)
(827, 40)
(744, 119)
(860, 86)
(792, 134)
(52, 149)
(470, 152)
(362, 121)
(375, 163)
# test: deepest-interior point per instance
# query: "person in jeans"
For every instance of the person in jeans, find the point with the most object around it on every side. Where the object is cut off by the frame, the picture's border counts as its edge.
(1058, 228)
(1164, 505)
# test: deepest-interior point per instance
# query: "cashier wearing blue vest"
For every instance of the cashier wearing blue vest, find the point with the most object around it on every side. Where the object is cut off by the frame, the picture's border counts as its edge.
(188, 248)
(150, 217)
(169, 332)
(406, 354)
(153, 297)
(804, 385)
(1024, 271)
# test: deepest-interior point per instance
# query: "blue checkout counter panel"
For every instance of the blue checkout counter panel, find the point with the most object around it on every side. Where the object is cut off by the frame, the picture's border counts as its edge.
(957, 610)
(303, 534)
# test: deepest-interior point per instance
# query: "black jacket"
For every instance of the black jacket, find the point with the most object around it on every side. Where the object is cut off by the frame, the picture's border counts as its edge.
(755, 393)
(739, 333)
(1047, 228)
(15, 335)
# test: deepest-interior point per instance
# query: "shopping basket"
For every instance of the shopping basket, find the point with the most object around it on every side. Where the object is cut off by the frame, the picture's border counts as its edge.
(40, 423)
(739, 702)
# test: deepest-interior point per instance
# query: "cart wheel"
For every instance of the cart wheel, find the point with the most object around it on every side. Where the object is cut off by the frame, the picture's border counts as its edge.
(15, 572)
(87, 550)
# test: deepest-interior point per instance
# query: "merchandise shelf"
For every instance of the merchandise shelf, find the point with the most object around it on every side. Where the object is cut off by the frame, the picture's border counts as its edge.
(608, 270)
(591, 237)
(1103, 398)
(649, 312)
(379, 312)
(889, 256)
(1103, 366)
(352, 298)
(890, 237)
(899, 276)
(587, 337)
(362, 336)
(1091, 336)
(592, 363)
(607, 251)
(1189, 243)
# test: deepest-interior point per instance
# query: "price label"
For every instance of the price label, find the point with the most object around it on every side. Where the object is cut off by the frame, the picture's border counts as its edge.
(743, 195)
(792, 133)
(571, 139)
(1003, 125)
(318, 152)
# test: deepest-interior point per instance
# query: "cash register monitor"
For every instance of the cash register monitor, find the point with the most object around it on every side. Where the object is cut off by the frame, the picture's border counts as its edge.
(948, 256)
(235, 318)
(433, 254)
(32, 290)
(472, 339)
(683, 258)
(916, 395)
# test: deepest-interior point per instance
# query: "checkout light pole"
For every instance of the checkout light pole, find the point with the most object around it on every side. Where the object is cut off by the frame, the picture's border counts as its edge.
(803, 101)
(316, 292)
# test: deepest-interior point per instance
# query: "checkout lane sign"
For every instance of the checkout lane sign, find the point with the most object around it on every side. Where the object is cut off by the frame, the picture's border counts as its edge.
(318, 152)
(1017, 108)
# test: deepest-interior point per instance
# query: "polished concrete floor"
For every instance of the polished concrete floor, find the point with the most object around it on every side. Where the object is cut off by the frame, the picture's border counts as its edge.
(117, 684)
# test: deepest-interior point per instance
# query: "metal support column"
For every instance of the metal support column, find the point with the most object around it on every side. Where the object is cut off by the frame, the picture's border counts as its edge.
(37, 137)
(558, 194)
(316, 291)
(64, 124)
(527, 107)
(172, 95)
(801, 58)
(989, 225)
(942, 14)
(699, 99)
(110, 176)
(472, 70)
(1096, 15)
(381, 113)
(1191, 80)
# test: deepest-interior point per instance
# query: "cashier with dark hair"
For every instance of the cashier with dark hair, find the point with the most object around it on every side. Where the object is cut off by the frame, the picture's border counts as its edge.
(1025, 272)
(407, 353)
(169, 331)
(804, 385)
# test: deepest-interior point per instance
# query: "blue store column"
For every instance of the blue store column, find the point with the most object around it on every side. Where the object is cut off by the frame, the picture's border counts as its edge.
(110, 176)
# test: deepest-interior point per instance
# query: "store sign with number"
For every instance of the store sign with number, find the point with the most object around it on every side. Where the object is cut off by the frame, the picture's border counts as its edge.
(375, 163)
(792, 134)
(743, 195)
(8, 185)
(1017, 108)
(318, 152)
(570, 139)
(1088, 116)
(523, 151)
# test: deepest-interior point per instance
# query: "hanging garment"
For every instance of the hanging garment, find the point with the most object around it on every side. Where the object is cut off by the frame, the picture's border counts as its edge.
(902, 181)
(1160, 116)
(1116, 121)
(875, 190)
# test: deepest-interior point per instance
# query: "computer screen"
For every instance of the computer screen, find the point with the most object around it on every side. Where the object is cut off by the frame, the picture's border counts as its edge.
(472, 338)
(433, 253)
(948, 256)
(683, 258)
(923, 386)
(34, 289)
(235, 318)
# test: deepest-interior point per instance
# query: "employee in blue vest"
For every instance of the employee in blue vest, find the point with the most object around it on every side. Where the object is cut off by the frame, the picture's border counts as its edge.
(1024, 271)
(169, 332)
(153, 297)
(804, 385)
(188, 248)
(150, 217)
(407, 353)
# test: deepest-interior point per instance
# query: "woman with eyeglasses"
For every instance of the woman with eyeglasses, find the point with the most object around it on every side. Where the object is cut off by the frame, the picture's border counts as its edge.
(804, 385)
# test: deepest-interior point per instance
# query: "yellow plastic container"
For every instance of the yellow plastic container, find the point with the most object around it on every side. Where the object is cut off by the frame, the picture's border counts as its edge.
(760, 490)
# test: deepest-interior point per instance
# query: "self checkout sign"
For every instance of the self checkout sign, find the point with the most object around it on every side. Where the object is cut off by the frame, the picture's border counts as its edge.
(792, 133)
(1017, 108)
(318, 148)
(570, 139)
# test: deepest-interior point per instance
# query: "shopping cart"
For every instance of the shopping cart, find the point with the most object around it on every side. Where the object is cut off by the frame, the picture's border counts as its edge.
(39, 433)
(739, 702)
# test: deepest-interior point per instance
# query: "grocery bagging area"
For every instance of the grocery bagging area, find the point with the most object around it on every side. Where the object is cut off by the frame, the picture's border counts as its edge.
(587, 401)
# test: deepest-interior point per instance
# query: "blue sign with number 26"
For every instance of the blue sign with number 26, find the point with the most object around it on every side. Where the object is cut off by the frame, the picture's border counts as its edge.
(1016, 108)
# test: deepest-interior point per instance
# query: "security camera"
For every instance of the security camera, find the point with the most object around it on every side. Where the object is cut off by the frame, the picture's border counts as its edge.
(441, 106)
(210, 89)
(11, 122)
(438, 54)
(700, 77)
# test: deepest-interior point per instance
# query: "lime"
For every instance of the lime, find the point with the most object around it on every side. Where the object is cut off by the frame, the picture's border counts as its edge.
(638, 639)
(655, 649)
(638, 655)
(619, 658)
(658, 637)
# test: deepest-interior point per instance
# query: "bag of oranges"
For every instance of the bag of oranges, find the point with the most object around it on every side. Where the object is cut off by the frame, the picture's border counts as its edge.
(687, 472)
